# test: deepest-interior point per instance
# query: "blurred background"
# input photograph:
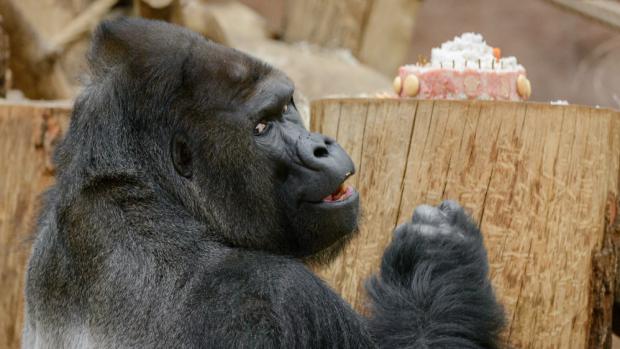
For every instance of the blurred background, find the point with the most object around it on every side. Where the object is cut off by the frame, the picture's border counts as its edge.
(328, 47)
(570, 53)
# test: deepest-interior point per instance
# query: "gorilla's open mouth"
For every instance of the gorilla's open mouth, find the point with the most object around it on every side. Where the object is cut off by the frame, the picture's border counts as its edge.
(327, 219)
(341, 194)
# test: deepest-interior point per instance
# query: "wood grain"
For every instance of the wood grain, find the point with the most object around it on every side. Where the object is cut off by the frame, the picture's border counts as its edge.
(28, 132)
(540, 179)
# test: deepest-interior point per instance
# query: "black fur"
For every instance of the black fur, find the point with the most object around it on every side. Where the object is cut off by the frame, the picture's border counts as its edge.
(175, 224)
(433, 290)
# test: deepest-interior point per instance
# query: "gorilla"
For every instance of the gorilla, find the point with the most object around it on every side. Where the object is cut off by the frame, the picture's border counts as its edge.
(189, 197)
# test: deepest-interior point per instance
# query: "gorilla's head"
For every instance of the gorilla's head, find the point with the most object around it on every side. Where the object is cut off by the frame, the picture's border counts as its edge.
(216, 134)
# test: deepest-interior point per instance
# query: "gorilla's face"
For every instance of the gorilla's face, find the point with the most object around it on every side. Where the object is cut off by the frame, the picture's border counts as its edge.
(264, 181)
(286, 183)
(310, 169)
(223, 139)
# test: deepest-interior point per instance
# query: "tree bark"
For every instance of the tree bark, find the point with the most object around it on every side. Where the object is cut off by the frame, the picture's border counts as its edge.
(541, 180)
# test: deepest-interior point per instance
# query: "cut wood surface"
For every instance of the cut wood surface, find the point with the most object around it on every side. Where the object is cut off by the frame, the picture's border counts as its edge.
(541, 180)
(28, 133)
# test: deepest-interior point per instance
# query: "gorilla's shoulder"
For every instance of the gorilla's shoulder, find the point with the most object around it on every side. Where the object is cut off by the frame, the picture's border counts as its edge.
(269, 281)
(277, 294)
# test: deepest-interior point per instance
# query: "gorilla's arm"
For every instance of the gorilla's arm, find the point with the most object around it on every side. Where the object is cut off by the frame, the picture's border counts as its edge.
(433, 290)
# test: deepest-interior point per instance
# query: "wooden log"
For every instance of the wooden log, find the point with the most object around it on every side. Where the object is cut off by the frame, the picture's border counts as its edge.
(377, 32)
(33, 62)
(230, 22)
(28, 133)
(84, 23)
(541, 180)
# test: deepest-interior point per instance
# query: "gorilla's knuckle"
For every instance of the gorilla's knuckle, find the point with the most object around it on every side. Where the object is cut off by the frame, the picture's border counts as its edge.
(426, 230)
(427, 214)
(450, 206)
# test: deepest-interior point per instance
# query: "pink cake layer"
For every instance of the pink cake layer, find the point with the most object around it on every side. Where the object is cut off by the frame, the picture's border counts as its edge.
(442, 83)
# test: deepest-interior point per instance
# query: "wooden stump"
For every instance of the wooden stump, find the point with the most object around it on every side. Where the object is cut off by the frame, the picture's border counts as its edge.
(542, 181)
(28, 133)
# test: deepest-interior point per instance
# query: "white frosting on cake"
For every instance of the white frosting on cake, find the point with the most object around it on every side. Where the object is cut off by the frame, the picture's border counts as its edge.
(469, 51)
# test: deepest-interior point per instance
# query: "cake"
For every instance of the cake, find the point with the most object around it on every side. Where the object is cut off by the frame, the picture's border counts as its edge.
(464, 68)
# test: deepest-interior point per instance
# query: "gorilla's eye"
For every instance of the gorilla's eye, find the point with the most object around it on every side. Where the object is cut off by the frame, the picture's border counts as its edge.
(285, 109)
(261, 128)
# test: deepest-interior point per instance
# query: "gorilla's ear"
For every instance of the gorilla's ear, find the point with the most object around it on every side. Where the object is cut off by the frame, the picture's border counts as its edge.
(181, 154)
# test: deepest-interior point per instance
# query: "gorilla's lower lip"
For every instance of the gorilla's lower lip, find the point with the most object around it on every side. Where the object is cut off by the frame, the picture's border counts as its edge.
(351, 196)
(341, 194)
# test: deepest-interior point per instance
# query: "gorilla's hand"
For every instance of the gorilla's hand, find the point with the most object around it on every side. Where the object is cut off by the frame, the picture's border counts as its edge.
(437, 265)
(446, 221)
(437, 236)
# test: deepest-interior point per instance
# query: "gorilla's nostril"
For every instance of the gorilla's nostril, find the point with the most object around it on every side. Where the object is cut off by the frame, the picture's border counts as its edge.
(320, 152)
(329, 141)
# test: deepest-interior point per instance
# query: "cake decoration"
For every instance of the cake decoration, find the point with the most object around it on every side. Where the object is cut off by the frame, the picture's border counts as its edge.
(464, 68)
